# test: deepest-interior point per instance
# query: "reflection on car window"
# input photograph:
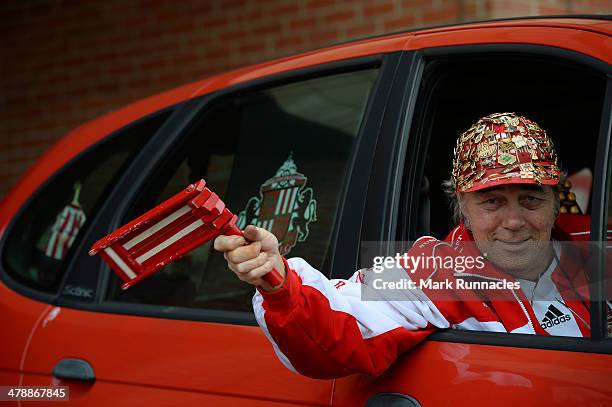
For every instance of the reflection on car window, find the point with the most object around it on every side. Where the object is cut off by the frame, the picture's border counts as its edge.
(277, 157)
(608, 257)
(39, 243)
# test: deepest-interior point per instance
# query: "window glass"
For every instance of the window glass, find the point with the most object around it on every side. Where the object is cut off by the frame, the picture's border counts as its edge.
(277, 157)
(608, 253)
(455, 93)
(39, 244)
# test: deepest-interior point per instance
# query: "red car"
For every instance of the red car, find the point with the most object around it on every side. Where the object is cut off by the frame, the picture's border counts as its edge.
(364, 131)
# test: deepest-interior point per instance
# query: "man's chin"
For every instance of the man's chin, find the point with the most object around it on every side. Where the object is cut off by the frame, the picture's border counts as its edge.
(511, 263)
(512, 248)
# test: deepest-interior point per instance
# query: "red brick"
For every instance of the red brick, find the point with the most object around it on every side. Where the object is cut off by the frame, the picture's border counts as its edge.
(249, 48)
(377, 9)
(85, 14)
(234, 35)
(400, 24)
(33, 112)
(508, 8)
(151, 4)
(250, 17)
(24, 160)
(304, 22)
(218, 52)
(136, 21)
(229, 4)
(320, 3)
(93, 103)
(548, 10)
(293, 42)
(361, 30)
(138, 82)
(325, 37)
(196, 7)
(185, 59)
(340, 16)
(78, 61)
(18, 143)
(269, 29)
(469, 12)
(416, 3)
(443, 15)
(215, 22)
(284, 10)
(17, 100)
(19, 167)
(6, 179)
(121, 69)
(183, 27)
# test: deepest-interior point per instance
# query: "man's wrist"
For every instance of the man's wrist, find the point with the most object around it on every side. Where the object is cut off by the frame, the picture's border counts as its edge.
(279, 267)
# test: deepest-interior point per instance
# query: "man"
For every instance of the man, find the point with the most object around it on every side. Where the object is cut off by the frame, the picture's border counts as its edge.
(520, 279)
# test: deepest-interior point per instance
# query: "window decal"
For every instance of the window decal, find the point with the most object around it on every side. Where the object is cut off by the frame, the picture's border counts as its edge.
(284, 207)
(66, 227)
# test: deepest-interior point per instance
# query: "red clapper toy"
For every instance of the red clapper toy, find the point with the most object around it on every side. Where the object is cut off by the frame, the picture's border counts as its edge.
(167, 232)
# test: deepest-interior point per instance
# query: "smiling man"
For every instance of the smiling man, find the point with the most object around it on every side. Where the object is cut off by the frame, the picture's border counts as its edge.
(502, 269)
(513, 227)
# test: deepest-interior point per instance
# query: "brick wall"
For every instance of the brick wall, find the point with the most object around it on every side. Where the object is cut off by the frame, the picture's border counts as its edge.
(65, 62)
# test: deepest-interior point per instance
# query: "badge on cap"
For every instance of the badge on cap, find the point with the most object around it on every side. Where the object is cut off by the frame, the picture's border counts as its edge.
(506, 159)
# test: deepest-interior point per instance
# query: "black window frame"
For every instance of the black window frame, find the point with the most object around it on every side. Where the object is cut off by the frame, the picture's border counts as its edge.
(52, 298)
(410, 185)
(167, 141)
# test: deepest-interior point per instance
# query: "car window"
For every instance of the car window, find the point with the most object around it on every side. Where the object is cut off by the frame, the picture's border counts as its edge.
(39, 243)
(457, 91)
(278, 158)
(608, 250)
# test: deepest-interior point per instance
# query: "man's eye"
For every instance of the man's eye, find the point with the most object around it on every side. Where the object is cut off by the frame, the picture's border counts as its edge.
(532, 200)
(490, 201)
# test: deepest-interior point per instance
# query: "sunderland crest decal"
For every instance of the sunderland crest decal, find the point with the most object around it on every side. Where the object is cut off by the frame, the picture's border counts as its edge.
(284, 207)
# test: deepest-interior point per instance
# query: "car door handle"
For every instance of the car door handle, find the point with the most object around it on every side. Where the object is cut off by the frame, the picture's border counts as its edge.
(75, 369)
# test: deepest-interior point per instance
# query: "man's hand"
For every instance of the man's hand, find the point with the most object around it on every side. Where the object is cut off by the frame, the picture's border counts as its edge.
(252, 256)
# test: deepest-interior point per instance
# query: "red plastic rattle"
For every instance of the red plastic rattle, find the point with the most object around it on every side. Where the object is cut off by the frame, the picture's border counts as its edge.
(167, 232)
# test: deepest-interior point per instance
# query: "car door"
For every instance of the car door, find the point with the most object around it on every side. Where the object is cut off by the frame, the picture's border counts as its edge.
(453, 85)
(281, 152)
(35, 250)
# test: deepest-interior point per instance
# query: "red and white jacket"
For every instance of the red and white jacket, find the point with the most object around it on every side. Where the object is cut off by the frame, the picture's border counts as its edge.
(323, 329)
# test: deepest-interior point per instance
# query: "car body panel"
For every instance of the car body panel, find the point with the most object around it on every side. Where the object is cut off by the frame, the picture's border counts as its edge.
(593, 44)
(19, 315)
(212, 360)
(470, 375)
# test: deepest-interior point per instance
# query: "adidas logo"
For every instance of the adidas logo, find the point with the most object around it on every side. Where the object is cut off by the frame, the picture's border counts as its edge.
(554, 317)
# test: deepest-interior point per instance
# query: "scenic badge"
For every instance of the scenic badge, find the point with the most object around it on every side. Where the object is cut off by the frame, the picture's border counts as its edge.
(284, 207)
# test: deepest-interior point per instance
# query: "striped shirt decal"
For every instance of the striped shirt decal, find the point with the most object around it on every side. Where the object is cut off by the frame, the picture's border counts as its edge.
(64, 231)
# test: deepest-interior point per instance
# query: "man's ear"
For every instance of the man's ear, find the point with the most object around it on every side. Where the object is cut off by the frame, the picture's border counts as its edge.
(462, 213)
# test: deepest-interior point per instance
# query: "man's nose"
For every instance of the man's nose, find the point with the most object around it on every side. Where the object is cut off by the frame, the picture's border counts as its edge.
(513, 217)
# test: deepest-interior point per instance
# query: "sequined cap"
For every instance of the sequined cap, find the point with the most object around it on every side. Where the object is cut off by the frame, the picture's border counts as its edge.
(504, 148)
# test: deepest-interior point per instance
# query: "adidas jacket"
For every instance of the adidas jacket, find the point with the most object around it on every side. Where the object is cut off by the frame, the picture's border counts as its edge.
(323, 329)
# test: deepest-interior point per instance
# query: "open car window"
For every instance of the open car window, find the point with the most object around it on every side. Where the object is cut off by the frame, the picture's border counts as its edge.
(458, 90)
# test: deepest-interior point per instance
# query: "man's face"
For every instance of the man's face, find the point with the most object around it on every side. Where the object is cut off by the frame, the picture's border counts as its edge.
(512, 225)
